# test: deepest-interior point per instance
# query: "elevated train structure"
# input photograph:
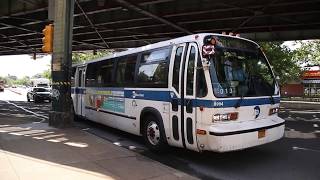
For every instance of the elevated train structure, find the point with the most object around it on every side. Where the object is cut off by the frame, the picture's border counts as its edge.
(110, 24)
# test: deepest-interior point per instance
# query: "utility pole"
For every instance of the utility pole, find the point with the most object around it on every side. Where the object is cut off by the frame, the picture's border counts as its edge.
(61, 115)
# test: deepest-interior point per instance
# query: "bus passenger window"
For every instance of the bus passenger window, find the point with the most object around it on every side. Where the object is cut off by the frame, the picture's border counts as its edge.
(176, 68)
(106, 72)
(155, 55)
(153, 69)
(99, 74)
(91, 75)
(125, 70)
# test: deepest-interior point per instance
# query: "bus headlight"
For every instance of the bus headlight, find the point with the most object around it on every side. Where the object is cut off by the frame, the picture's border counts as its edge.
(225, 117)
(273, 110)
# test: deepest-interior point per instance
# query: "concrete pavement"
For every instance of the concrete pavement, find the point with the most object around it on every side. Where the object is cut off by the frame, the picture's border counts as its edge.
(31, 151)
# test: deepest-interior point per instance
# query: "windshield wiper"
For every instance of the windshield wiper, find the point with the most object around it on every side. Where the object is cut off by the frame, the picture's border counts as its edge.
(239, 102)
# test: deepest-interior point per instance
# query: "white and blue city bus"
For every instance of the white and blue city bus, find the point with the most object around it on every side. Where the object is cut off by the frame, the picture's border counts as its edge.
(204, 92)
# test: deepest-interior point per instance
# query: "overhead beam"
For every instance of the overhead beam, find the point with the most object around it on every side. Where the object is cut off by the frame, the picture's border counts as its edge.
(191, 13)
(91, 24)
(255, 14)
(275, 26)
(147, 13)
(283, 35)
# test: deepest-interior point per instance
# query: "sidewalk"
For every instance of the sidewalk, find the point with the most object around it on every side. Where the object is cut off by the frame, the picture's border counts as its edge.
(35, 151)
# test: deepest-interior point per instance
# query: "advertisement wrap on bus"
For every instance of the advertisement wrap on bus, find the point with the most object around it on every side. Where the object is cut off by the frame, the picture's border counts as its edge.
(203, 92)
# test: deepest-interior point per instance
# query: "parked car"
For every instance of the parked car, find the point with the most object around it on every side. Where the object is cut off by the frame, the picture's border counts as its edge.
(38, 94)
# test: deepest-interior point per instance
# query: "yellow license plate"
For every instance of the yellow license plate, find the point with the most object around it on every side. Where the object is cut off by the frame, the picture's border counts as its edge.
(261, 133)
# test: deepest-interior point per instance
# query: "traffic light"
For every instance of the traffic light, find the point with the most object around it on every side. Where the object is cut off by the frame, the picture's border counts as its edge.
(47, 40)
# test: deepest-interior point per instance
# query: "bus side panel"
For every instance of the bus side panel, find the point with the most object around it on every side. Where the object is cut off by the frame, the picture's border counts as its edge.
(101, 117)
(135, 104)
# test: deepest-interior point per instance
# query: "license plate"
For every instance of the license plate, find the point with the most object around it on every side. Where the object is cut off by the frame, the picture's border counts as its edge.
(261, 133)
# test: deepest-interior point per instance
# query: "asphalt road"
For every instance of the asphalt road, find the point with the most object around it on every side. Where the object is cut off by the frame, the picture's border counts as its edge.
(296, 156)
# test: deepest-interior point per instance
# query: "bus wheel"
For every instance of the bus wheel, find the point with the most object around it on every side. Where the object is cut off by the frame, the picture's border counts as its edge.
(153, 134)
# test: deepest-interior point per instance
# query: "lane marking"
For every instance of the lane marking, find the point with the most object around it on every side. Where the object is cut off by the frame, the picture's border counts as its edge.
(304, 112)
(305, 149)
(44, 118)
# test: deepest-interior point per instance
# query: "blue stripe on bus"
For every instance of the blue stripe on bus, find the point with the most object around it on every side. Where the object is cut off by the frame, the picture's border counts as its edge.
(231, 102)
(148, 95)
(78, 90)
(165, 96)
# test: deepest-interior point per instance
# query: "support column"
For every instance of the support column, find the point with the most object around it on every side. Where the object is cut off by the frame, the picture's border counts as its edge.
(61, 114)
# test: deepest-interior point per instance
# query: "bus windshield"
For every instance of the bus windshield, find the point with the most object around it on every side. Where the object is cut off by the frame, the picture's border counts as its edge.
(238, 68)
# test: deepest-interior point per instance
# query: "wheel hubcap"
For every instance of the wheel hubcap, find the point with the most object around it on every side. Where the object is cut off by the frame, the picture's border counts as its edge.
(153, 133)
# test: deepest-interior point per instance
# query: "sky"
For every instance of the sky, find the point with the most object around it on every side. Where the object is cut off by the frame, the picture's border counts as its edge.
(23, 65)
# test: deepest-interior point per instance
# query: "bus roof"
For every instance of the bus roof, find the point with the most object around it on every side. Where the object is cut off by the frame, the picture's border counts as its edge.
(179, 40)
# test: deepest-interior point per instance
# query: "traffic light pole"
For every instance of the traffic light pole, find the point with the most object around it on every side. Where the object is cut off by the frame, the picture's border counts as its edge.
(61, 114)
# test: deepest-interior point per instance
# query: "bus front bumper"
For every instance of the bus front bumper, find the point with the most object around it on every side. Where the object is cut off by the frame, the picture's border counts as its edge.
(237, 136)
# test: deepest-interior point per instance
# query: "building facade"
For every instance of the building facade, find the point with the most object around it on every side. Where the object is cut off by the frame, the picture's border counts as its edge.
(311, 83)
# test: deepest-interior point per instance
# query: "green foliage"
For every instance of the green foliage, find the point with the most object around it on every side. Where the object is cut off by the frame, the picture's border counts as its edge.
(47, 74)
(309, 53)
(23, 81)
(78, 57)
(282, 61)
(13, 80)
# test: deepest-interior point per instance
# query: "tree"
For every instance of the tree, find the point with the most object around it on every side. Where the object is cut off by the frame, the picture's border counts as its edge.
(282, 60)
(23, 81)
(78, 57)
(46, 74)
(308, 53)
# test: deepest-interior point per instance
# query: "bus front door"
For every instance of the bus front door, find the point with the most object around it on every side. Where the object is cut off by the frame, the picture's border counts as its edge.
(182, 114)
(188, 98)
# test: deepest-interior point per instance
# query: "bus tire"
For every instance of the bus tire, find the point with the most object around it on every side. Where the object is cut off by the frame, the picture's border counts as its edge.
(153, 134)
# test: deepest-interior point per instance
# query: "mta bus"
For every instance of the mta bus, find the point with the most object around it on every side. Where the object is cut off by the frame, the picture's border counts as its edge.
(203, 92)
